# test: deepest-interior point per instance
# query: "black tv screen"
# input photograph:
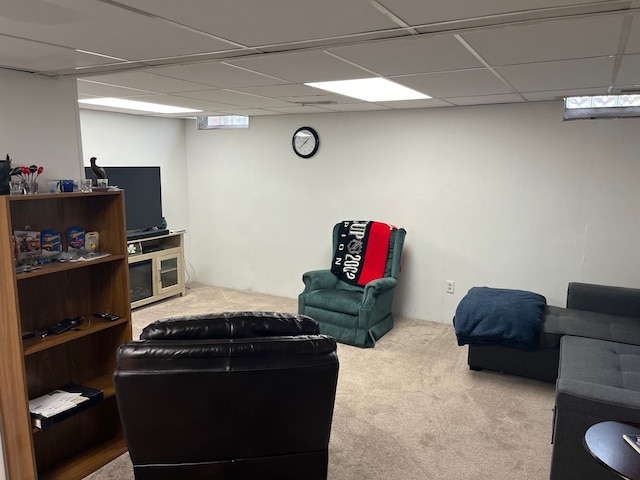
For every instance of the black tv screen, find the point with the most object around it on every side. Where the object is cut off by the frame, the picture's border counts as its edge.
(143, 196)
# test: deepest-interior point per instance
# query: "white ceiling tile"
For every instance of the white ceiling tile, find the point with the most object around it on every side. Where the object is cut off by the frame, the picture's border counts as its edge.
(98, 89)
(486, 99)
(146, 80)
(561, 75)
(629, 73)
(234, 110)
(551, 40)
(462, 83)
(407, 104)
(417, 13)
(255, 23)
(217, 74)
(302, 67)
(297, 94)
(560, 94)
(355, 107)
(251, 112)
(236, 98)
(102, 28)
(282, 91)
(34, 56)
(633, 42)
(299, 109)
(412, 55)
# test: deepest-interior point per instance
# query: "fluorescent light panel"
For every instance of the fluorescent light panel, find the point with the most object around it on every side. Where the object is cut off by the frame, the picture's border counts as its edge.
(371, 89)
(135, 105)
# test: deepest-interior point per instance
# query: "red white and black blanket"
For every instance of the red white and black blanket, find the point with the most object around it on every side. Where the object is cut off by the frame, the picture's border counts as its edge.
(362, 251)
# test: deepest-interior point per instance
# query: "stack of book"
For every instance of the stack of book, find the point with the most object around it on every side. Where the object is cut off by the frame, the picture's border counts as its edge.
(62, 403)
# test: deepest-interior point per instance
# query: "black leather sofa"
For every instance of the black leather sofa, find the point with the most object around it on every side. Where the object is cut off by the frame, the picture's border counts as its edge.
(237, 395)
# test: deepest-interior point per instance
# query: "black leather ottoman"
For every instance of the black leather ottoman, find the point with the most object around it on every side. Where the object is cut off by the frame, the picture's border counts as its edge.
(539, 364)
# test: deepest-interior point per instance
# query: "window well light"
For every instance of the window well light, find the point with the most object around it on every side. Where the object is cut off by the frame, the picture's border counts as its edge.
(135, 105)
(371, 90)
(601, 106)
(216, 122)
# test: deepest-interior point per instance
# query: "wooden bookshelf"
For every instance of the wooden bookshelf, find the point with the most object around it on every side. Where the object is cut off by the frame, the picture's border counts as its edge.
(35, 300)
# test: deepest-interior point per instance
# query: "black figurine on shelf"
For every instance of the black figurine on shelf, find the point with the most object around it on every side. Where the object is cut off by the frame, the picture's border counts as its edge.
(98, 171)
(5, 175)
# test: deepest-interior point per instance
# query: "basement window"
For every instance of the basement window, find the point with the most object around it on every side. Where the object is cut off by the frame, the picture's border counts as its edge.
(214, 122)
(601, 106)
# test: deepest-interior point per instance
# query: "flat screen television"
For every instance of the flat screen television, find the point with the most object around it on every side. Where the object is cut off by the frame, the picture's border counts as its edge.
(143, 198)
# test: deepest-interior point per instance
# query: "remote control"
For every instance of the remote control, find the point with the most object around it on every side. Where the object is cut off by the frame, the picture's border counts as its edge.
(64, 325)
(106, 316)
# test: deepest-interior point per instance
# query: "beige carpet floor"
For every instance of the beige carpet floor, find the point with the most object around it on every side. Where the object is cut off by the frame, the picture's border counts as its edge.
(408, 409)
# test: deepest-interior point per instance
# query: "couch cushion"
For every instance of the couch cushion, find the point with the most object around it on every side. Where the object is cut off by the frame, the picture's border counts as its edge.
(230, 325)
(565, 321)
(598, 377)
(549, 332)
(343, 301)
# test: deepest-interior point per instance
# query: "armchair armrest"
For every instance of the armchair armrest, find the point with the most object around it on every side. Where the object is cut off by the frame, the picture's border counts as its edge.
(621, 301)
(375, 288)
(319, 280)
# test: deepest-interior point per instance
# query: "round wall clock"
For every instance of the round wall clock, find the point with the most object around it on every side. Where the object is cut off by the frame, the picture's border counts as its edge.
(305, 142)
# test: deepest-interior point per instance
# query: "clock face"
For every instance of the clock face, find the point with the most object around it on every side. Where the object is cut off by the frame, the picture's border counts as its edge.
(305, 142)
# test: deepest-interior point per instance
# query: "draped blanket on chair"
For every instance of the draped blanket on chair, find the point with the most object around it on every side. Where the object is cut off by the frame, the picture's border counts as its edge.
(362, 251)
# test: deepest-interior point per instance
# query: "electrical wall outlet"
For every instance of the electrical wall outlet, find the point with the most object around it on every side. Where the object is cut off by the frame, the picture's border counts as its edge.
(450, 286)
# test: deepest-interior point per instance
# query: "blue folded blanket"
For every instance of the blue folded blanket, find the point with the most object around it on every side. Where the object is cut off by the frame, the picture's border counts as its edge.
(500, 317)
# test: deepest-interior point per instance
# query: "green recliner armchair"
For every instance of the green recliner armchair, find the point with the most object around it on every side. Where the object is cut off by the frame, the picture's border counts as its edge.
(352, 314)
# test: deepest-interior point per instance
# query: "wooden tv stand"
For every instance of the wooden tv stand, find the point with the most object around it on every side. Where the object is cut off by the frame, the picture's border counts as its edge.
(156, 268)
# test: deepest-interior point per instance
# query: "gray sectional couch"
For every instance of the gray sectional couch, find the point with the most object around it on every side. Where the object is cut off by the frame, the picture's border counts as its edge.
(591, 350)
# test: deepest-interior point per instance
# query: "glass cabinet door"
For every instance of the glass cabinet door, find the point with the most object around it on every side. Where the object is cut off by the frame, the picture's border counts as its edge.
(141, 280)
(169, 270)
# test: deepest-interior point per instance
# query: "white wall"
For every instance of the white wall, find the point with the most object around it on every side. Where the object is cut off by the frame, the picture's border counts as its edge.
(131, 140)
(504, 196)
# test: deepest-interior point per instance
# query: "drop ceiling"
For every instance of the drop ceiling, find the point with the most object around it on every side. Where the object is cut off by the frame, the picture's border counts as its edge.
(251, 57)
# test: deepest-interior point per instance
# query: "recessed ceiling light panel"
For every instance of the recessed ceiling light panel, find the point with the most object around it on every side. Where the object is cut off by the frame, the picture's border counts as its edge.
(371, 90)
(135, 105)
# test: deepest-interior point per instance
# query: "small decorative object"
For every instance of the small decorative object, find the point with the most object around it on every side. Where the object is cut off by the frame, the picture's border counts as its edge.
(51, 243)
(15, 187)
(85, 184)
(66, 185)
(75, 239)
(99, 172)
(5, 175)
(28, 243)
(28, 177)
(92, 242)
(32, 188)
